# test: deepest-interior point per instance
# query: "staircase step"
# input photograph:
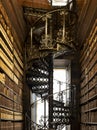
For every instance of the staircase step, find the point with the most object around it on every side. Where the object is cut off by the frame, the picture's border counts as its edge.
(57, 103)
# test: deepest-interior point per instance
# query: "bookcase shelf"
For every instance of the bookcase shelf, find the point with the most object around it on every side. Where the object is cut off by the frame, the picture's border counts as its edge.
(89, 123)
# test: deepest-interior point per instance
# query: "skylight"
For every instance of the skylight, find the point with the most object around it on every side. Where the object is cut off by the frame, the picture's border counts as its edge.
(59, 2)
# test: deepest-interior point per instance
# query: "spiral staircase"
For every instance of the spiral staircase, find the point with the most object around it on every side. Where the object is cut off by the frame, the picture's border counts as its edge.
(52, 34)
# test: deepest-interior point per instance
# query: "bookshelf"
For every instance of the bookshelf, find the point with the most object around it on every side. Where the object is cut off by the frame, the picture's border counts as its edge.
(11, 77)
(88, 90)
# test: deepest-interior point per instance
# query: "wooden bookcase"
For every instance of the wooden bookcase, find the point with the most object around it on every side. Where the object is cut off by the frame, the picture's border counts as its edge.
(11, 77)
(88, 91)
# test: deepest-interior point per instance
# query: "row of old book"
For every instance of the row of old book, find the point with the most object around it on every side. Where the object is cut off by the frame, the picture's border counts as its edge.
(89, 117)
(88, 127)
(9, 125)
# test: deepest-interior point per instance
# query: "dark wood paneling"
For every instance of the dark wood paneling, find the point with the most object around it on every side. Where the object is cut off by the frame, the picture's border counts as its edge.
(42, 4)
(87, 19)
(75, 86)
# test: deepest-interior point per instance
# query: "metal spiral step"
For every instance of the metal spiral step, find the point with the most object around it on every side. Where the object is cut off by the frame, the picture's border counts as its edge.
(61, 114)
